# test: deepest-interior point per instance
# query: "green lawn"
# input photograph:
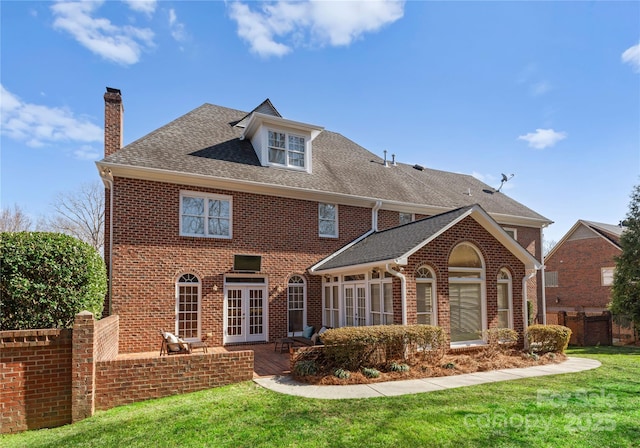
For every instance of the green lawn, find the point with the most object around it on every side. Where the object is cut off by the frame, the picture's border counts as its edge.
(598, 408)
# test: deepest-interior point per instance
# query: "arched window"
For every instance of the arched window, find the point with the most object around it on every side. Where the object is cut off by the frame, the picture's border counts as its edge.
(505, 300)
(466, 294)
(296, 299)
(188, 307)
(426, 296)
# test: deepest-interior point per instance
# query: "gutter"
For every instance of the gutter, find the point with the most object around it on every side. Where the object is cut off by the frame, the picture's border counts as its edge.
(403, 291)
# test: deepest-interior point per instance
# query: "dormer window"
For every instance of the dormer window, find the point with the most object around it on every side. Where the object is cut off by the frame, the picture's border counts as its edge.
(286, 149)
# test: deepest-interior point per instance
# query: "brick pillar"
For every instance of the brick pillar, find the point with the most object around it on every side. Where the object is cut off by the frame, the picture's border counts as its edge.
(562, 318)
(113, 112)
(83, 379)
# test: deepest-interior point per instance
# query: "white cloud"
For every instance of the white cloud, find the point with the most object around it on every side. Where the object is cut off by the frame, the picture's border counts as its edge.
(543, 138)
(540, 88)
(147, 7)
(38, 125)
(313, 22)
(87, 152)
(631, 56)
(177, 28)
(121, 44)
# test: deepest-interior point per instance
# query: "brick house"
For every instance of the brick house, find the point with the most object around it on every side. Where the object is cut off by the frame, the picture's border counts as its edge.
(579, 269)
(250, 226)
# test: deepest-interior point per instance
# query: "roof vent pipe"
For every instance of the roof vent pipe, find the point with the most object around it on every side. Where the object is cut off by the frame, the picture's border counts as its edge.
(393, 160)
(385, 158)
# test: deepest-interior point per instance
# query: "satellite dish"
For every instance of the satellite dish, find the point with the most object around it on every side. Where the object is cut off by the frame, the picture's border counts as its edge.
(504, 180)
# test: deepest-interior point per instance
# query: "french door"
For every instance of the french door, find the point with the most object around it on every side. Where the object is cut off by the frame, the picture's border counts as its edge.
(355, 305)
(245, 314)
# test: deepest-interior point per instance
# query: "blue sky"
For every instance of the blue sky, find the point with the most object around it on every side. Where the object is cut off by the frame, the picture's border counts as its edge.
(548, 91)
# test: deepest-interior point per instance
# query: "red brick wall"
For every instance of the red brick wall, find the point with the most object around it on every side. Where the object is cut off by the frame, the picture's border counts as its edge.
(578, 264)
(35, 369)
(149, 256)
(121, 381)
(107, 332)
(436, 255)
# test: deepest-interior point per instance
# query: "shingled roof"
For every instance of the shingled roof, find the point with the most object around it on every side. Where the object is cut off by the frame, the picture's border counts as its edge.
(398, 243)
(205, 143)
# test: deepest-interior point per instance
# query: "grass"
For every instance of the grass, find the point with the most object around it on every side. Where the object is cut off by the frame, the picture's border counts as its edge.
(596, 408)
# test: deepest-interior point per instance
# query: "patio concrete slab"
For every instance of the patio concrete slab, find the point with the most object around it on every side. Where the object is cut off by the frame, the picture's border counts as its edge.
(287, 385)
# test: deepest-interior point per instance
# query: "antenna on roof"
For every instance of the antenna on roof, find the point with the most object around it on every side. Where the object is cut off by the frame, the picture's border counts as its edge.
(504, 180)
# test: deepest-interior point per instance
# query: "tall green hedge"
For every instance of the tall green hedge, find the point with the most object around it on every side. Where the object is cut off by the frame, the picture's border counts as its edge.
(46, 279)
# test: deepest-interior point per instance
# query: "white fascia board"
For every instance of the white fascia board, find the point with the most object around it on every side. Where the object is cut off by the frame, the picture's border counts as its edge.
(354, 268)
(257, 119)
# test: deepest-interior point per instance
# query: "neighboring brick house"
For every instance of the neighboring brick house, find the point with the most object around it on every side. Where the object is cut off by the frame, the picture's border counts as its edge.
(579, 269)
(250, 226)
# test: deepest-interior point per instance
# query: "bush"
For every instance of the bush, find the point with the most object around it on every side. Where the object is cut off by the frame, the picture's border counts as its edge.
(370, 372)
(304, 368)
(341, 373)
(395, 367)
(353, 347)
(500, 340)
(548, 338)
(46, 279)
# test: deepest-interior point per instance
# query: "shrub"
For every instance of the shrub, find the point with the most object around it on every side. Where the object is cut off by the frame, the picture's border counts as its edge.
(500, 339)
(341, 373)
(353, 347)
(530, 314)
(47, 278)
(370, 372)
(548, 338)
(395, 367)
(305, 368)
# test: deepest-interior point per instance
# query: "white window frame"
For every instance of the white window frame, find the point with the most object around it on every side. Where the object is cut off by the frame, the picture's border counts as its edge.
(604, 277)
(431, 281)
(287, 150)
(179, 285)
(411, 217)
(206, 197)
(335, 221)
(386, 315)
(303, 285)
(509, 283)
(331, 297)
(512, 232)
(478, 279)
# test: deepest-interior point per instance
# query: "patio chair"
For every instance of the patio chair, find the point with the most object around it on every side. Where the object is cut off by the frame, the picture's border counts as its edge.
(173, 345)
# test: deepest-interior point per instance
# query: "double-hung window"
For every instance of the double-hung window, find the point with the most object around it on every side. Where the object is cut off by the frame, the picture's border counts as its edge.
(505, 300)
(381, 299)
(328, 220)
(425, 296)
(207, 215)
(286, 149)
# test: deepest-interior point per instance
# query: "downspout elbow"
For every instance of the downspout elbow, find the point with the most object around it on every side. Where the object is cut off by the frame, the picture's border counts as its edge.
(374, 216)
(403, 291)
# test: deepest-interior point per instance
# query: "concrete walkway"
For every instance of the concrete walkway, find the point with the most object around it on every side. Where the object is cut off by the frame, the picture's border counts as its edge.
(286, 385)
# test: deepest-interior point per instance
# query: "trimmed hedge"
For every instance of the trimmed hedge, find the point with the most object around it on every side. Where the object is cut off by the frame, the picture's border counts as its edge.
(46, 279)
(548, 338)
(352, 348)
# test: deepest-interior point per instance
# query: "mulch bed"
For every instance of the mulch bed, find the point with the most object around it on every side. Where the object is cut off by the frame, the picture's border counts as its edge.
(451, 364)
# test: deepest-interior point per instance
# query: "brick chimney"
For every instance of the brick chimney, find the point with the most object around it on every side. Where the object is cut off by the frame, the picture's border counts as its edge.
(113, 112)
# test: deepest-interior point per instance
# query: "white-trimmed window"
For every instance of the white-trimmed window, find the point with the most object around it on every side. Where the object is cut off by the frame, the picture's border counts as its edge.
(607, 276)
(380, 299)
(296, 299)
(505, 300)
(331, 300)
(425, 296)
(512, 232)
(466, 294)
(286, 149)
(328, 220)
(204, 214)
(188, 307)
(405, 218)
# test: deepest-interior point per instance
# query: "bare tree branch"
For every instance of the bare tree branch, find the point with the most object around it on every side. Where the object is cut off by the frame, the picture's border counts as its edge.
(80, 213)
(15, 220)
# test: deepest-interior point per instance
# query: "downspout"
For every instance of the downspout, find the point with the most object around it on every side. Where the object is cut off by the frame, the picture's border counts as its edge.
(525, 308)
(108, 178)
(544, 292)
(403, 290)
(374, 216)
